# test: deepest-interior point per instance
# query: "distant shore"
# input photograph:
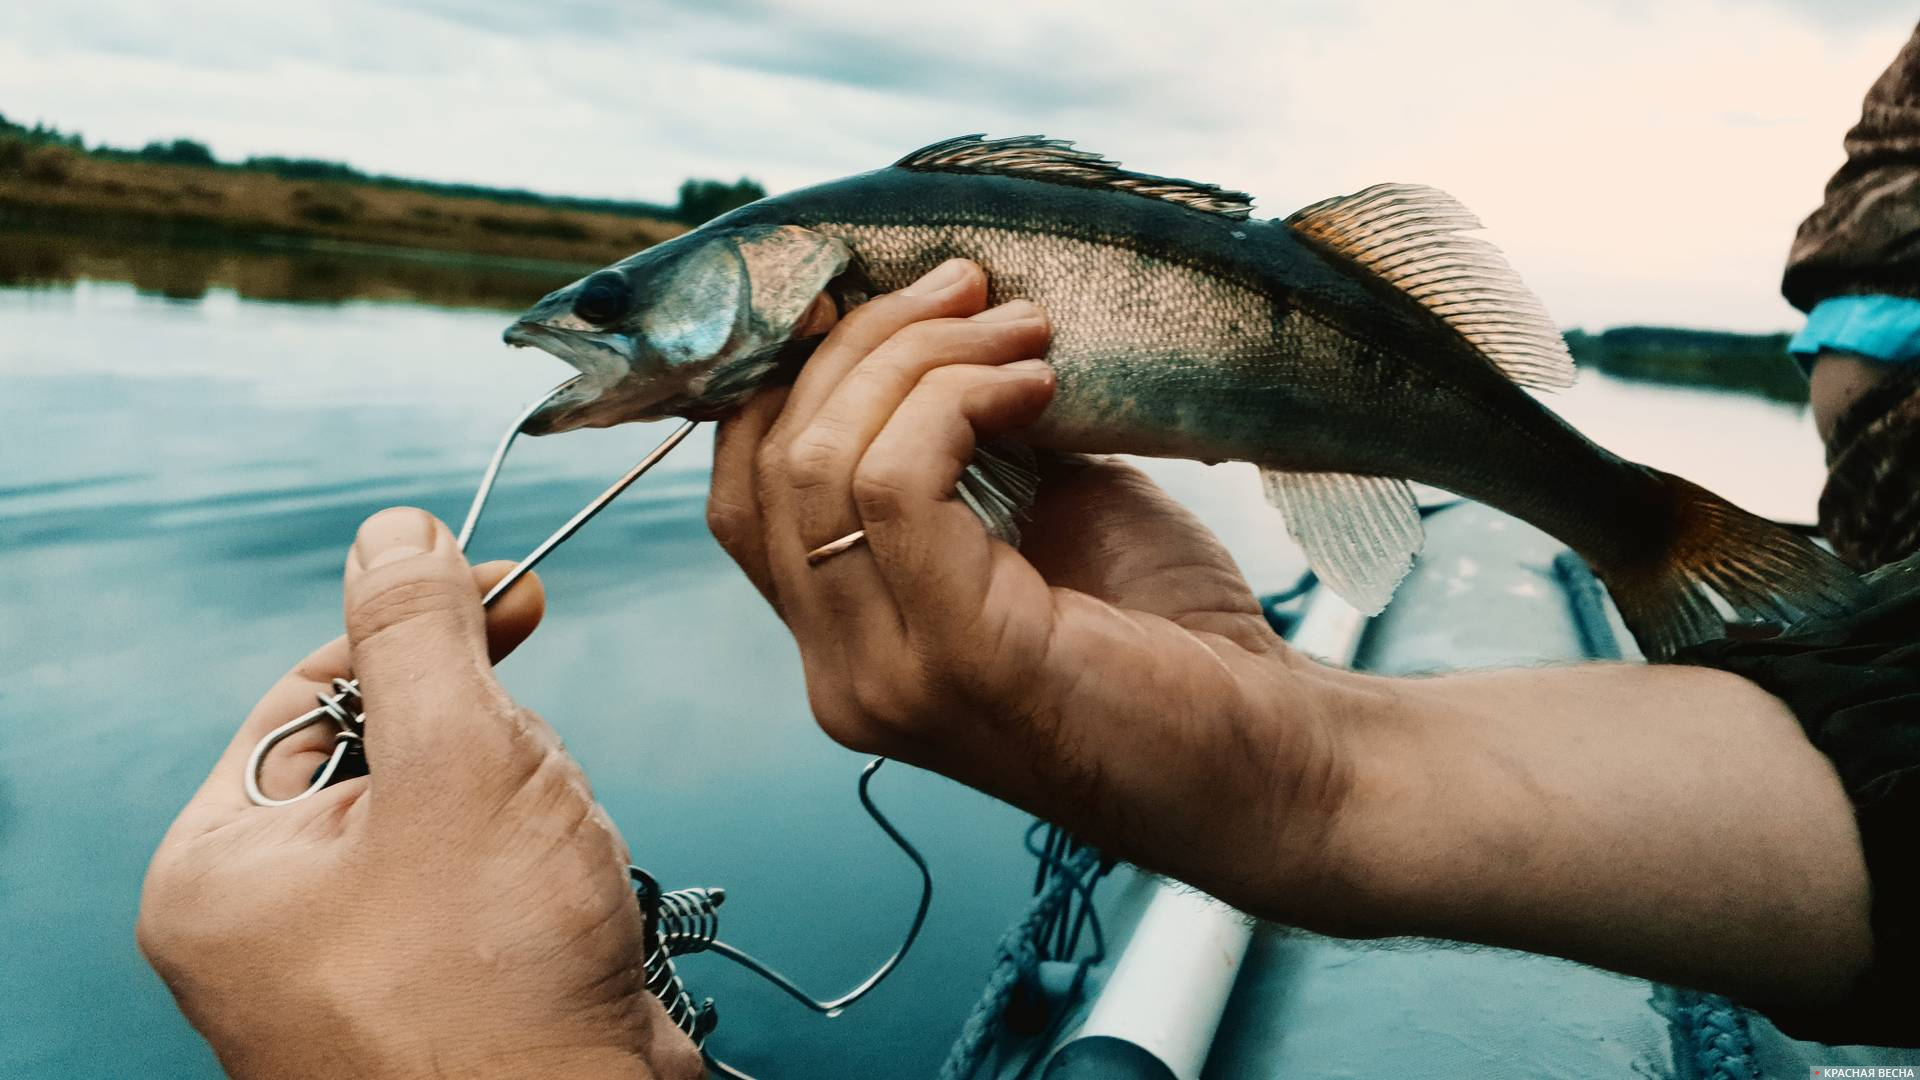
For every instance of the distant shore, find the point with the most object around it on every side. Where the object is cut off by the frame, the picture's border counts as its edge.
(52, 186)
(1711, 359)
(312, 231)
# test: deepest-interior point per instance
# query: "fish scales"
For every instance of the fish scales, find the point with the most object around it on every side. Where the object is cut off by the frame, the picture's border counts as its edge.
(1195, 358)
(1365, 341)
(1140, 369)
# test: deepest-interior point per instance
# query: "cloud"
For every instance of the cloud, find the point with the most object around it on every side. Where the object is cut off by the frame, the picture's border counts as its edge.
(1640, 161)
(1828, 15)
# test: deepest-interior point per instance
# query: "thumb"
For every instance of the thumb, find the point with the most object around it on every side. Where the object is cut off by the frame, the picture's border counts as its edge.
(418, 637)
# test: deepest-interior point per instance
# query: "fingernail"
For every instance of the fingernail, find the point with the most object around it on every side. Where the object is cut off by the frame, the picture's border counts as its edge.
(393, 534)
(1028, 368)
(1011, 311)
(945, 276)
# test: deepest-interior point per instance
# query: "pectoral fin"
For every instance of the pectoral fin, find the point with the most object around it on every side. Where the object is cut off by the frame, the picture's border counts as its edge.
(1000, 485)
(1360, 533)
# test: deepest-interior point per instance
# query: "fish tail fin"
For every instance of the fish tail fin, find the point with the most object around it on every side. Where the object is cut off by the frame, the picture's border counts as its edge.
(1759, 569)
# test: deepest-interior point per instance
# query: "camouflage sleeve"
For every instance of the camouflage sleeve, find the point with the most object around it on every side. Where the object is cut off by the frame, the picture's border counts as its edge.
(1854, 684)
(1865, 237)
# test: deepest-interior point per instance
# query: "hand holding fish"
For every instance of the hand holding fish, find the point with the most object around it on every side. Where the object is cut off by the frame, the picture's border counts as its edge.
(1122, 623)
(460, 911)
(1114, 674)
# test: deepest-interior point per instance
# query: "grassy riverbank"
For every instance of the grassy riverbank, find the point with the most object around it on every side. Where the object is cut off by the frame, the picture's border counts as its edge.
(55, 185)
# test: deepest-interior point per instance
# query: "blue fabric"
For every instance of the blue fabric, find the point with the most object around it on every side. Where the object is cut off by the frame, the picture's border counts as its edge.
(1882, 328)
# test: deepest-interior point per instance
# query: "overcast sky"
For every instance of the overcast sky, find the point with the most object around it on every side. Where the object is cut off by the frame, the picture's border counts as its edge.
(1641, 160)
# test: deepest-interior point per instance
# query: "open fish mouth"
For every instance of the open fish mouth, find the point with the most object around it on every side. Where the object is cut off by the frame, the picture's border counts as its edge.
(598, 356)
(602, 366)
(608, 390)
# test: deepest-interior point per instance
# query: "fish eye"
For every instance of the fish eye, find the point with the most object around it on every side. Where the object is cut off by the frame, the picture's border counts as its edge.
(603, 297)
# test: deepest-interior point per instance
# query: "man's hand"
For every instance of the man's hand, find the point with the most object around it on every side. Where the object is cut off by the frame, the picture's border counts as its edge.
(1116, 674)
(462, 911)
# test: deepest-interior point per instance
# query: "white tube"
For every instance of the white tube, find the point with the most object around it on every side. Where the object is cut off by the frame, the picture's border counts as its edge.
(1171, 985)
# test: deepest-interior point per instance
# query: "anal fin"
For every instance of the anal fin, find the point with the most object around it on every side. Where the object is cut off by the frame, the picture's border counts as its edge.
(1360, 533)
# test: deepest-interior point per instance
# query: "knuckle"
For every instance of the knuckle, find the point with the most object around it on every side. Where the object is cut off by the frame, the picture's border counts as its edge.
(599, 828)
(950, 381)
(881, 489)
(813, 459)
(770, 459)
(893, 698)
(834, 710)
(551, 783)
(879, 311)
(915, 342)
(503, 751)
(877, 375)
(399, 603)
(846, 722)
(732, 522)
(883, 317)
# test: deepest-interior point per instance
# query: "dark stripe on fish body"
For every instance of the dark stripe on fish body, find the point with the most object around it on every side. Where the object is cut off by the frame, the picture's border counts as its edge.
(1189, 334)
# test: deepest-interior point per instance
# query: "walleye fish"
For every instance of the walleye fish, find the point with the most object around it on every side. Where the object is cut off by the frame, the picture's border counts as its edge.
(1361, 343)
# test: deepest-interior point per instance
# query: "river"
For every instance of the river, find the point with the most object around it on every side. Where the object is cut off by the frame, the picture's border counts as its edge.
(187, 441)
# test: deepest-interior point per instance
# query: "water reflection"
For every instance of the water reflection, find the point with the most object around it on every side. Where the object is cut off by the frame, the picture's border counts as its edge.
(180, 482)
(180, 485)
(30, 259)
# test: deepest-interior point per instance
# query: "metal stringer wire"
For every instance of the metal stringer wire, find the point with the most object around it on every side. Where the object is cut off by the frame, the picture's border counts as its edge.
(678, 923)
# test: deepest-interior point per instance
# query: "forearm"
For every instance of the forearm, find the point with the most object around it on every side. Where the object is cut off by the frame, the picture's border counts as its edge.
(1666, 822)
(561, 1063)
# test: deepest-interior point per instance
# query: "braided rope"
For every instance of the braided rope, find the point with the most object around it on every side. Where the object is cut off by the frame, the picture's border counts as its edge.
(1715, 1031)
(1017, 958)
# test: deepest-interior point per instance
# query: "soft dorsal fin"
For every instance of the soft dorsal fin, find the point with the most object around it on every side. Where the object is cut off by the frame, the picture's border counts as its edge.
(1055, 161)
(1410, 237)
(1359, 533)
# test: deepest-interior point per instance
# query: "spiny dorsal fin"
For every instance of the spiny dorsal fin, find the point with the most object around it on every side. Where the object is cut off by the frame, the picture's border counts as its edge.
(1359, 533)
(1410, 236)
(1055, 161)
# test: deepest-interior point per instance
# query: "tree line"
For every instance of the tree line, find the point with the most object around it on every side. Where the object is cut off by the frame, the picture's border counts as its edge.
(699, 199)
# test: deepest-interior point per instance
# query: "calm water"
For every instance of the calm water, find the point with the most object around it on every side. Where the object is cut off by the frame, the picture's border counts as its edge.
(187, 442)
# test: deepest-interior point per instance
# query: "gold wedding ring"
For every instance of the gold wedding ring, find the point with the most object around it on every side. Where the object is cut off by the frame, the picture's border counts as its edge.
(827, 551)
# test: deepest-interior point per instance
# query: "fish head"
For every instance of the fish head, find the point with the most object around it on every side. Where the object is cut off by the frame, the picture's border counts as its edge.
(689, 327)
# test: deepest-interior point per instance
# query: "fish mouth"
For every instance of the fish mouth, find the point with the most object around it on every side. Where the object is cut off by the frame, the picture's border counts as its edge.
(610, 389)
(597, 357)
(601, 357)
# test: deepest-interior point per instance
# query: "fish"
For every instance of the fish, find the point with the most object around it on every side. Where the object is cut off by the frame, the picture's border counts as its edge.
(1360, 345)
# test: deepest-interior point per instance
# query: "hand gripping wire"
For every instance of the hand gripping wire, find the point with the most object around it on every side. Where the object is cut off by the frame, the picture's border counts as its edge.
(677, 923)
(342, 707)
